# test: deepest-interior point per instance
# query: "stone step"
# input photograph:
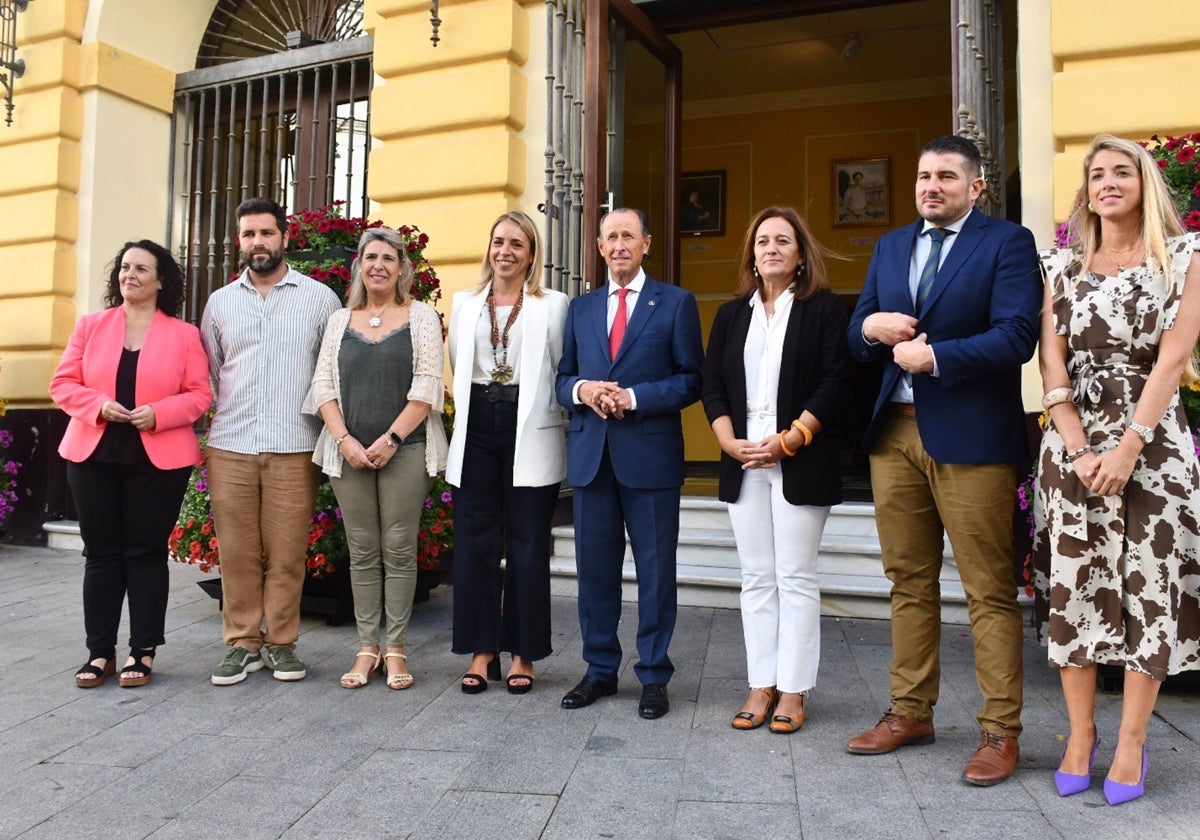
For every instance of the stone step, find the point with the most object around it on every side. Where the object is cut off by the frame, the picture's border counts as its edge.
(63, 534)
(849, 518)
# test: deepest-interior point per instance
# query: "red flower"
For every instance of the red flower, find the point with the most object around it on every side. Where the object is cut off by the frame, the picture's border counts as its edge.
(1185, 154)
(1192, 222)
(1196, 190)
(212, 543)
(206, 528)
(1162, 164)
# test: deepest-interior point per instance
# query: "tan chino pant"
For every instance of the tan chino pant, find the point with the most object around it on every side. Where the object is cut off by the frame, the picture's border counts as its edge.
(262, 504)
(915, 497)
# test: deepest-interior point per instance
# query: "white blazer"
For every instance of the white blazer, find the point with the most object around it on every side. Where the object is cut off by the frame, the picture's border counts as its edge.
(540, 457)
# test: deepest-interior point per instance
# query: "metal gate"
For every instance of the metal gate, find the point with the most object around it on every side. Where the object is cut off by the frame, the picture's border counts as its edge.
(292, 126)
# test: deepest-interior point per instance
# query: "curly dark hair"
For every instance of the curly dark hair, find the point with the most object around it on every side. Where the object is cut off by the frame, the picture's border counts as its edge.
(170, 296)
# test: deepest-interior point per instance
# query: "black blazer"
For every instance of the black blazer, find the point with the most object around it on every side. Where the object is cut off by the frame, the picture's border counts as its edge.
(815, 375)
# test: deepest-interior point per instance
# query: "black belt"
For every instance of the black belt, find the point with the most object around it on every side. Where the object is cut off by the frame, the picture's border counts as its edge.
(494, 392)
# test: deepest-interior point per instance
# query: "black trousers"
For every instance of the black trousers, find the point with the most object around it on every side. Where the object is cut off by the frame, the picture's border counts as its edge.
(499, 610)
(126, 513)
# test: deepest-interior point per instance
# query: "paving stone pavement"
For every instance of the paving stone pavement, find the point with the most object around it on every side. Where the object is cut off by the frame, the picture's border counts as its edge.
(182, 758)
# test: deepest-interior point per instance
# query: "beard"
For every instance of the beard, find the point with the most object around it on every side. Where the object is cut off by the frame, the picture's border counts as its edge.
(261, 263)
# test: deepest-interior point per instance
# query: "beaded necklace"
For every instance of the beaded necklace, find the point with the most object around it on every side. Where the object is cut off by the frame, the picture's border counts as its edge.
(502, 371)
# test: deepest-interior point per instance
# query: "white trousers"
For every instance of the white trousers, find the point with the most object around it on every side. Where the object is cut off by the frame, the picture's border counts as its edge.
(777, 545)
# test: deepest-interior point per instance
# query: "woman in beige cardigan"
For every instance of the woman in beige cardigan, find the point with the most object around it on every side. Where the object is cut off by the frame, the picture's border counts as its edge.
(378, 388)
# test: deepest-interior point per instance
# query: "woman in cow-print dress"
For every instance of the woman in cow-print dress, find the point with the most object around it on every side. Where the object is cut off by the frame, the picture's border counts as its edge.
(1118, 503)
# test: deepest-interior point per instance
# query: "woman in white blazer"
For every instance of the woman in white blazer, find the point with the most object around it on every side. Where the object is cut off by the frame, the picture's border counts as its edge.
(507, 456)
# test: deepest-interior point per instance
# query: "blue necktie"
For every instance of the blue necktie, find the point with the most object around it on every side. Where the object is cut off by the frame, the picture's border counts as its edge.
(937, 236)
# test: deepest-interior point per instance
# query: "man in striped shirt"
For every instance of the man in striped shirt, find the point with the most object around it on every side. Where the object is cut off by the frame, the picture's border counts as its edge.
(262, 333)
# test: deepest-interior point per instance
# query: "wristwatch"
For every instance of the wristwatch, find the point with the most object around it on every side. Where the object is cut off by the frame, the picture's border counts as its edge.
(394, 438)
(1144, 432)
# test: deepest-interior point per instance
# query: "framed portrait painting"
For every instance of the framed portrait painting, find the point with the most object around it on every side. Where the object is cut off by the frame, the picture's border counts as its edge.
(703, 203)
(862, 192)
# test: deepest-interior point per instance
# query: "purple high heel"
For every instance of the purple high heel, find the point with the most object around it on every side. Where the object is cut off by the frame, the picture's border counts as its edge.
(1117, 793)
(1069, 784)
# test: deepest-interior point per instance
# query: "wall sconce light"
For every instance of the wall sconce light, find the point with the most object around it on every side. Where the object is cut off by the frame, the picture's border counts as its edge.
(853, 47)
(435, 22)
(9, 9)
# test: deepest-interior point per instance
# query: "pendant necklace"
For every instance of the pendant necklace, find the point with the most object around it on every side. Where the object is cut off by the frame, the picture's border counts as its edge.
(376, 318)
(1111, 254)
(502, 371)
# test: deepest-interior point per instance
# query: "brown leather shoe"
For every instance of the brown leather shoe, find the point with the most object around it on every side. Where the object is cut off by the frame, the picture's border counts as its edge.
(994, 761)
(892, 731)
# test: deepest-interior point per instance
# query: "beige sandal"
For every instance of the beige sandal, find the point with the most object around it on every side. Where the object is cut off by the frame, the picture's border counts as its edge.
(357, 679)
(398, 682)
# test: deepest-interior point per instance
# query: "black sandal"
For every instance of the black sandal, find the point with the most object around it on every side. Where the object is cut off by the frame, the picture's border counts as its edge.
(98, 675)
(477, 683)
(137, 667)
(515, 686)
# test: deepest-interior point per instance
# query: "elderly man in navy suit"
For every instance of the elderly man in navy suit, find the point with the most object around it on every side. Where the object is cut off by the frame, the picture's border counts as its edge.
(950, 307)
(630, 364)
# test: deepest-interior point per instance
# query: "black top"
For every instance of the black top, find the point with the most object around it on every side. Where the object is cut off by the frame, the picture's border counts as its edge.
(121, 443)
(814, 374)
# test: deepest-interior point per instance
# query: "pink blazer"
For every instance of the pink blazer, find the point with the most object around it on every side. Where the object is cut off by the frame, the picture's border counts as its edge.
(172, 378)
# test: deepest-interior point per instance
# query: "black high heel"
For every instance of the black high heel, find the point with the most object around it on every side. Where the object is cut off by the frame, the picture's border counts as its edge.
(473, 683)
(138, 667)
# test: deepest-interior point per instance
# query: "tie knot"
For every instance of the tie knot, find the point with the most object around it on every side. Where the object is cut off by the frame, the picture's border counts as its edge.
(939, 234)
(622, 292)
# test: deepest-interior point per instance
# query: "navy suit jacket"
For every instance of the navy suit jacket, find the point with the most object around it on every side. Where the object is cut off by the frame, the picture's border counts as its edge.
(981, 318)
(660, 359)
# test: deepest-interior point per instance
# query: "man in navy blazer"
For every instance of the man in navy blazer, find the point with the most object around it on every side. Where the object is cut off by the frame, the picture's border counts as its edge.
(630, 364)
(950, 308)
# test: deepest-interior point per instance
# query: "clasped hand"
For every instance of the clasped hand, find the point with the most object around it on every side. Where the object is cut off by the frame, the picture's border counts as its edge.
(374, 457)
(141, 418)
(607, 399)
(755, 456)
(1106, 473)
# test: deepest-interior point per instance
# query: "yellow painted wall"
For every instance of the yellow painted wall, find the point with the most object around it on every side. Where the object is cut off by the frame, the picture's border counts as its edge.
(470, 150)
(39, 183)
(86, 164)
(1122, 72)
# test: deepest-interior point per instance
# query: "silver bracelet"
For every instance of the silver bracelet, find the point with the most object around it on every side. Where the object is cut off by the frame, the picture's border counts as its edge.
(1072, 457)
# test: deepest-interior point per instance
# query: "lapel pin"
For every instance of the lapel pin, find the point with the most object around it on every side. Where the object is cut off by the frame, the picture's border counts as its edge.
(650, 303)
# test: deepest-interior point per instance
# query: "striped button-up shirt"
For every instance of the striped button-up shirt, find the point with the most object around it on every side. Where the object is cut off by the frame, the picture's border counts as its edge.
(261, 355)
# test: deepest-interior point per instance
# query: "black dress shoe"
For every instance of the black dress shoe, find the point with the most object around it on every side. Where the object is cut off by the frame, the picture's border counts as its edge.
(654, 702)
(588, 692)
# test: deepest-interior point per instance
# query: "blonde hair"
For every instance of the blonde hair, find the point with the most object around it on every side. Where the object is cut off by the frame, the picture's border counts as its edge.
(533, 274)
(1160, 221)
(356, 296)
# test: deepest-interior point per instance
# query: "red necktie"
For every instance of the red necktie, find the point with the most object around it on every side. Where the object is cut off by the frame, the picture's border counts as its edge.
(618, 326)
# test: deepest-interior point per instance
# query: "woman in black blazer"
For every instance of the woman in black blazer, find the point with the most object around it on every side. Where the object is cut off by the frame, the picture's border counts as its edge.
(776, 382)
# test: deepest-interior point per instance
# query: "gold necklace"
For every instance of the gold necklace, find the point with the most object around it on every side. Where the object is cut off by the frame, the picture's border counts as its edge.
(1128, 252)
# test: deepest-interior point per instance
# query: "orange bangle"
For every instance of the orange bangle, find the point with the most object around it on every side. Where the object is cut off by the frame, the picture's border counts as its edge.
(783, 444)
(804, 431)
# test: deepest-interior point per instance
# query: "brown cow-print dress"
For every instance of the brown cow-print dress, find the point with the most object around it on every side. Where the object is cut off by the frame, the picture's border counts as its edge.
(1119, 576)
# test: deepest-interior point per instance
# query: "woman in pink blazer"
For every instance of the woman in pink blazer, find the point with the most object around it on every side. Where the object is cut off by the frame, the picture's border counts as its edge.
(134, 378)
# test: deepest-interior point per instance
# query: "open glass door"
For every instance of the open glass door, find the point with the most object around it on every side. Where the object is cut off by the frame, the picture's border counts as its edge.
(632, 126)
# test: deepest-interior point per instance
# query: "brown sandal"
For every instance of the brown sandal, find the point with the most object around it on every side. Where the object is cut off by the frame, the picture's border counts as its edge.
(749, 720)
(785, 725)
